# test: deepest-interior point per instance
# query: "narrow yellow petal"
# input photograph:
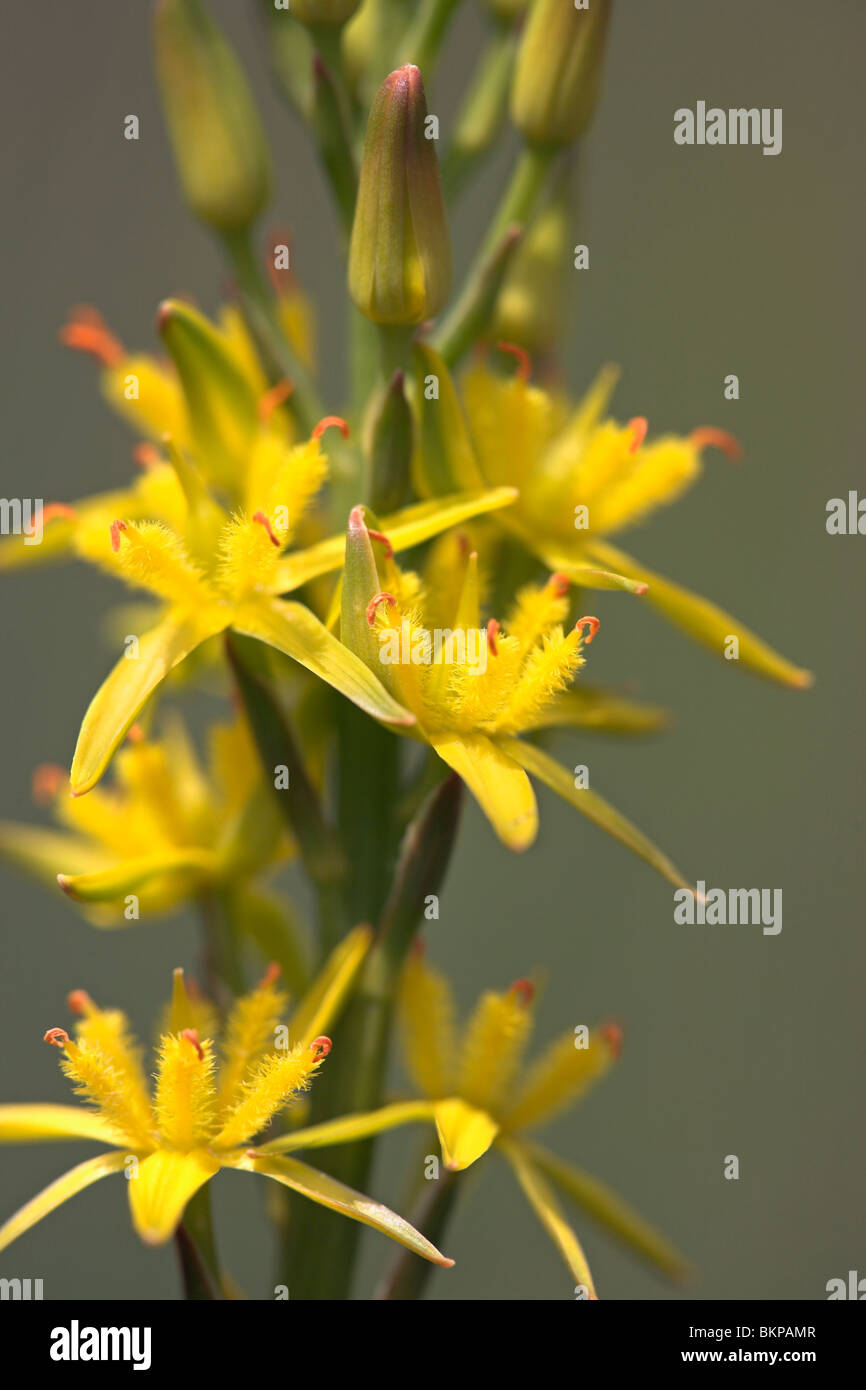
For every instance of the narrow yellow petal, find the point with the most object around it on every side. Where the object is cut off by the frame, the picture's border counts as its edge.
(543, 1202)
(20, 1123)
(276, 1079)
(493, 1044)
(464, 1132)
(559, 1076)
(249, 1035)
(327, 994)
(427, 1020)
(119, 700)
(185, 1099)
(163, 1185)
(499, 785)
(59, 1192)
(109, 885)
(321, 1188)
(348, 1128)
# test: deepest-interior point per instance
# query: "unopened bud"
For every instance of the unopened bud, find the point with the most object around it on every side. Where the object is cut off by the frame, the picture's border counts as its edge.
(400, 255)
(559, 70)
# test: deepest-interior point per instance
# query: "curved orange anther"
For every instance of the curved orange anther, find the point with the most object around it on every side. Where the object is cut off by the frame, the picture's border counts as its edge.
(592, 623)
(277, 395)
(115, 530)
(146, 454)
(325, 424)
(271, 975)
(524, 991)
(708, 436)
(57, 1037)
(47, 780)
(135, 733)
(560, 584)
(87, 331)
(638, 426)
(55, 510)
(321, 1046)
(494, 627)
(79, 1002)
(191, 1036)
(383, 540)
(524, 361)
(375, 602)
(263, 521)
(612, 1034)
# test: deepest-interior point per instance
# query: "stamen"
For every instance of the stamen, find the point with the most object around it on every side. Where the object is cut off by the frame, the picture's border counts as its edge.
(524, 361)
(116, 528)
(375, 602)
(274, 398)
(560, 584)
(638, 426)
(383, 540)
(57, 1037)
(263, 521)
(708, 436)
(321, 1046)
(135, 733)
(325, 424)
(612, 1034)
(271, 975)
(493, 628)
(79, 1002)
(190, 1035)
(524, 990)
(146, 455)
(592, 623)
(87, 331)
(55, 510)
(48, 778)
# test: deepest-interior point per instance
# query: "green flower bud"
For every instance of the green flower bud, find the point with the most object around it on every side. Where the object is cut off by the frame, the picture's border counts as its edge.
(323, 11)
(400, 255)
(534, 295)
(218, 141)
(558, 70)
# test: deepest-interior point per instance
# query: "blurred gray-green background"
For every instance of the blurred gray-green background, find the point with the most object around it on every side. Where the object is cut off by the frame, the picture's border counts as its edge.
(703, 262)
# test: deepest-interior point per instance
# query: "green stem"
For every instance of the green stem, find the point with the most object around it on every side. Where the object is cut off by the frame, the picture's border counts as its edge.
(223, 966)
(408, 1276)
(423, 39)
(196, 1249)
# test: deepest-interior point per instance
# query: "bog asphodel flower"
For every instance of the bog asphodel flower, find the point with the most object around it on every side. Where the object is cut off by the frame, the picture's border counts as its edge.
(207, 532)
(470, 705)
(480, 1094)
(207, 1105)
(582, 477)
(166, 831)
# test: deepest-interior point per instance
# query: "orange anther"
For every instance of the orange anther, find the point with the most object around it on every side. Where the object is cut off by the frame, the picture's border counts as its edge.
(87, 331)
(54, 511)
(271, 975)
(191, 1036)
(612, 1034)
(560, 584)
(48, 778)
(592, 623)
(115, 530)
(146, 454)
(494, 627)
(375, 602)
(638, 426)
(524, 361)
(717, 439)
(325, 424)
(321, 1046)
(57, 1037)
(263, 521)
(79, 1002)
(383, 540)
(524, 990)
(135, 733)
(274, 398)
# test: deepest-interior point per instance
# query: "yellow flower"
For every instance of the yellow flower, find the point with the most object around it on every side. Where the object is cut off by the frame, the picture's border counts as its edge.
(581, 478)
(166, 831)
(473, 689)
(480, 1094)
(206, 534)
(207, 1105)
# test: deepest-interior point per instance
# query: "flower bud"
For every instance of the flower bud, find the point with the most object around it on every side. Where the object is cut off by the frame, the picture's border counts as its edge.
(535, 292)
(218, 141)
(400, 255)
(323, 11)
(559, 70)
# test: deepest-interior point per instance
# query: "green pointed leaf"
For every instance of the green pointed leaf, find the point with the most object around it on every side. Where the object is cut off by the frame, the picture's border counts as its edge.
(347, 1128)
(590, 804)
